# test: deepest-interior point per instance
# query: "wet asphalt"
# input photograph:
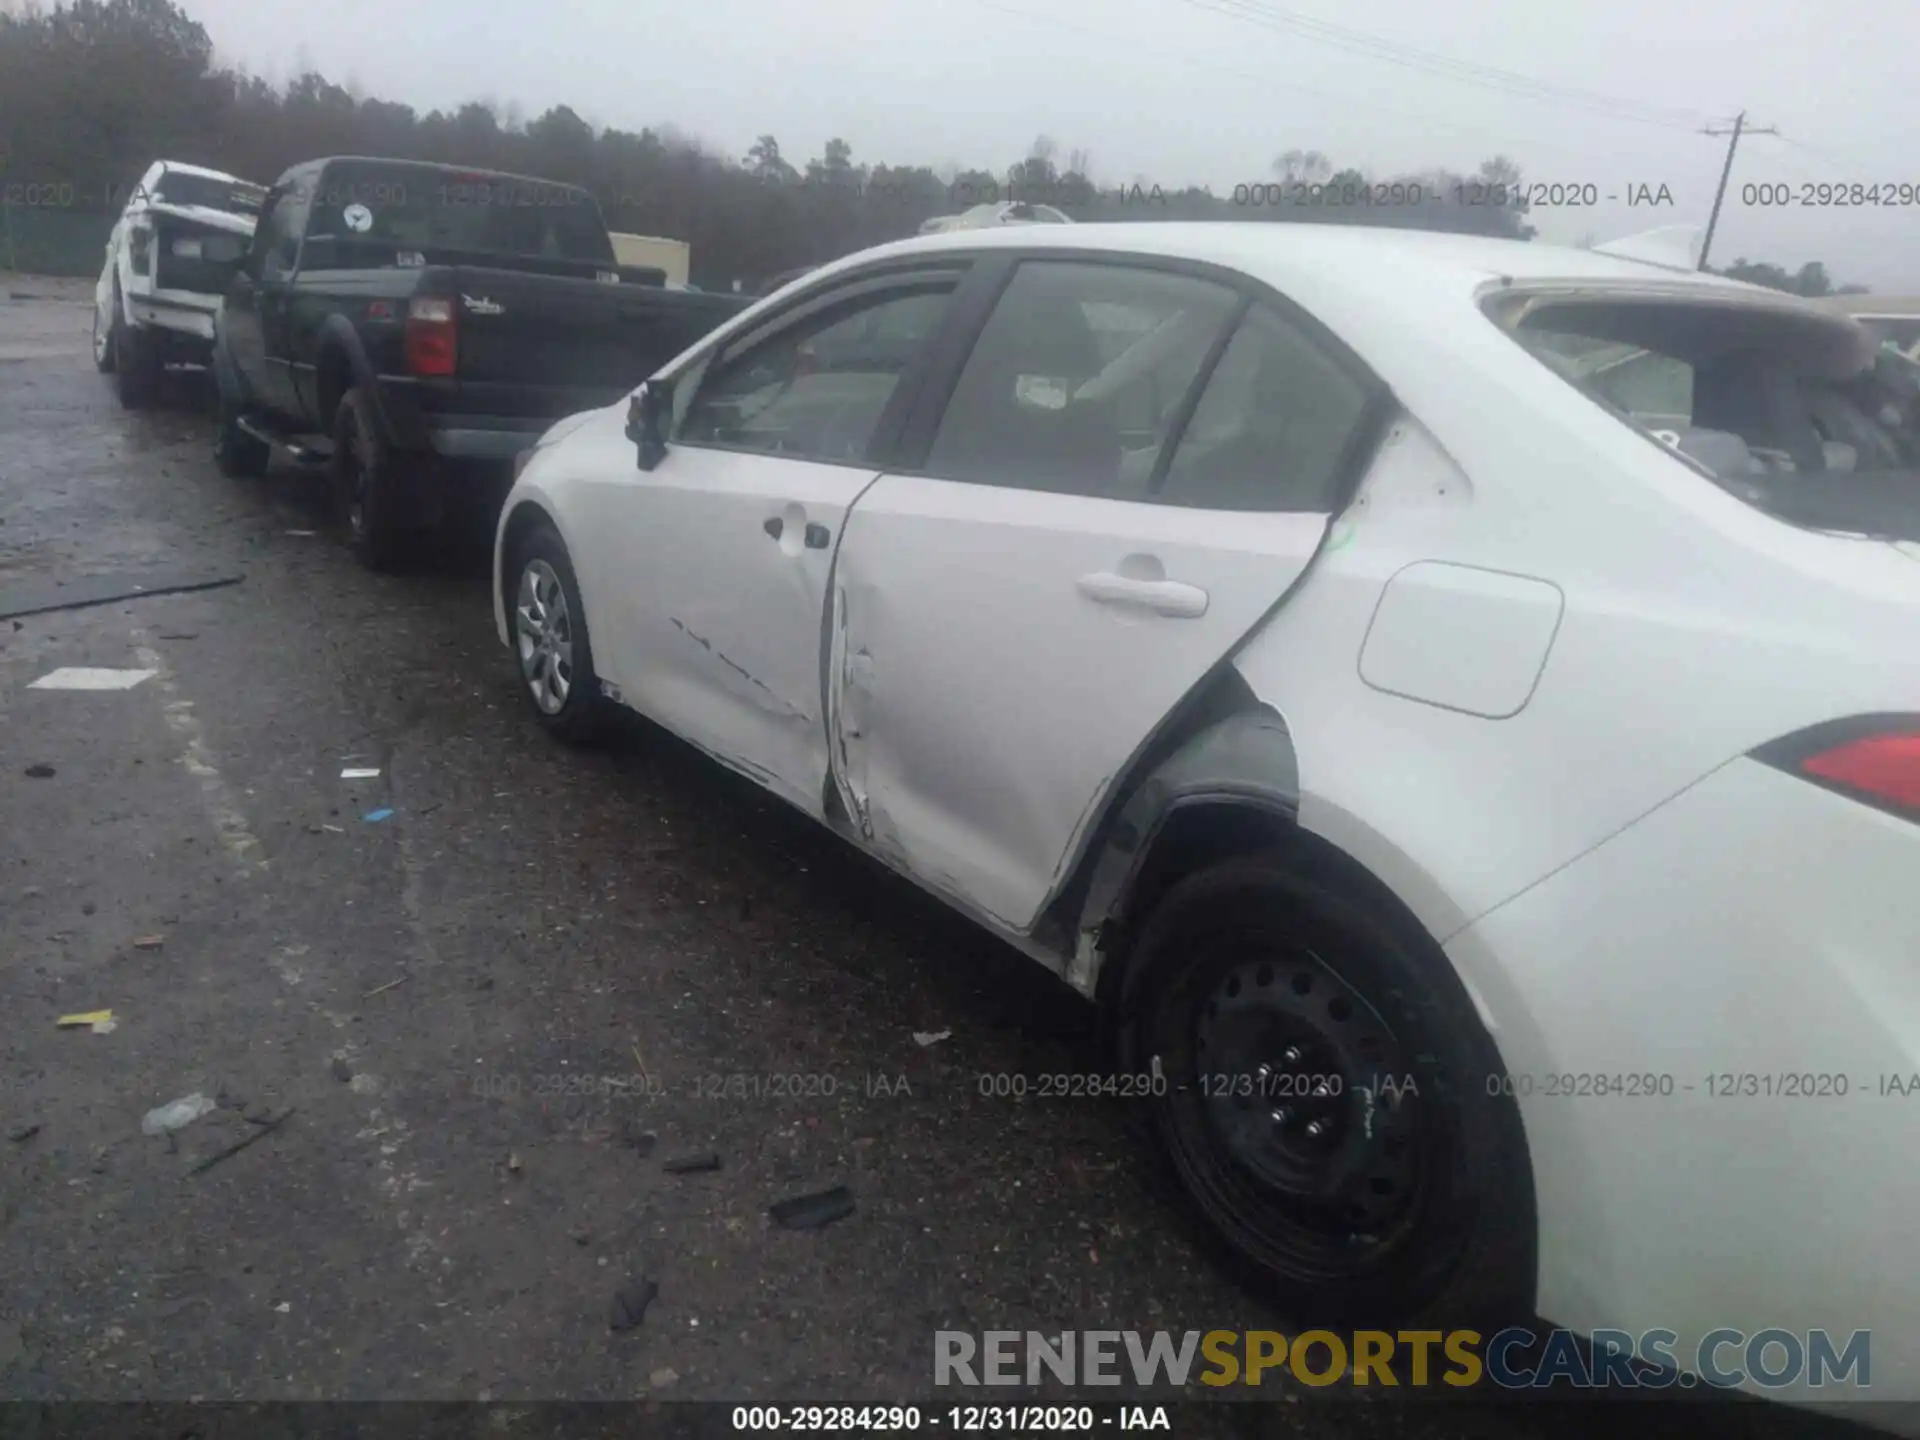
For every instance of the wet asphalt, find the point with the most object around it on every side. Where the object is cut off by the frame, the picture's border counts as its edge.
(462, 1040)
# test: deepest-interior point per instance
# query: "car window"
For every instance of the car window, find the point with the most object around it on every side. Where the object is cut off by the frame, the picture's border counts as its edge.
(276, 240)
(1075, 379)
(817, 389)
(215, 192)
(1275, 422)
(1801, 415)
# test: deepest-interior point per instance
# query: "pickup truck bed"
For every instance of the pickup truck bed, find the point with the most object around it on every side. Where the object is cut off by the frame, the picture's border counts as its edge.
(379, 326)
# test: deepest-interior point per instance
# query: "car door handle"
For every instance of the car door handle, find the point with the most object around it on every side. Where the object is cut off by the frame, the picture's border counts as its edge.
(816, 536)
(1163, 597)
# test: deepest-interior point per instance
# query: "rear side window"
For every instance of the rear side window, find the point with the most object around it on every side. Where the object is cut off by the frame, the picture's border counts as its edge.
(1077, 377)
(1274, 426)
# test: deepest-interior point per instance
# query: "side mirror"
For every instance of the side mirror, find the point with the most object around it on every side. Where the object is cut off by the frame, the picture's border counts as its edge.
(648, 413)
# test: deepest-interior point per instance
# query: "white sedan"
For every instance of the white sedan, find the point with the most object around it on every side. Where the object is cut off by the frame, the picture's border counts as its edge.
(1485, 811)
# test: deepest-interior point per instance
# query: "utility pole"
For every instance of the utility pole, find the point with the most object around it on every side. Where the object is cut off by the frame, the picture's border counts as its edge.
(1739, 129)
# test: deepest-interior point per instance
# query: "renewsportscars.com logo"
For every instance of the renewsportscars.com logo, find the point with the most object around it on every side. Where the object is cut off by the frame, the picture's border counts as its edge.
(1514, 1359)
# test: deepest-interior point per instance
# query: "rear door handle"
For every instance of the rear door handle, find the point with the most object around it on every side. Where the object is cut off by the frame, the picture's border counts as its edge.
(816, 536)
(1163, 597)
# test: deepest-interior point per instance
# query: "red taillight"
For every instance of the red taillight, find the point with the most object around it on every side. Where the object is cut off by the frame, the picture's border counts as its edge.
(1874, 759)
(433, 330)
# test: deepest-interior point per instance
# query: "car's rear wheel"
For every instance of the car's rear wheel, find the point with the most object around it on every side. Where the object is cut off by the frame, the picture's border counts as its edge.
(136, 364)
(1326, 1105)
(368, 487)
(547, 625)
(239, 455)
(102, 344)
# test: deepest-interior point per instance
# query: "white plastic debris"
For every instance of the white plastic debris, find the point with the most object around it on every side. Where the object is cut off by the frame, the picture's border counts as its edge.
(924, 1038)
(359, 773)
(91, 677)
(177, 1114)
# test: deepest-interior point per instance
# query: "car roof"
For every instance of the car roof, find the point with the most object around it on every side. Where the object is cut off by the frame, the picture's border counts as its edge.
(438, 167)
(177, 167)
(1342, 257)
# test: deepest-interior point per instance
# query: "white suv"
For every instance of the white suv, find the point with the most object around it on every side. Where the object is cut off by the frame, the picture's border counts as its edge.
(167, 265)
(1478, 778)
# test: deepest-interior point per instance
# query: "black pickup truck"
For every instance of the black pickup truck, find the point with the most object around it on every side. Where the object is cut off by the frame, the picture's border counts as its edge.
(416, 326)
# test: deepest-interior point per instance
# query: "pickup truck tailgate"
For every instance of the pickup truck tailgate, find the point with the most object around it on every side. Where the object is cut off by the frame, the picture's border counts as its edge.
(549, 345)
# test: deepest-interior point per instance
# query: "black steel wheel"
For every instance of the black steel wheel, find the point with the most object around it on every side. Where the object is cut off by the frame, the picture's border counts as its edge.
(1326, 1108)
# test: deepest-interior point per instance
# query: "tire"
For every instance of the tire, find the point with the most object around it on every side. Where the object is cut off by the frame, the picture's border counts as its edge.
(1413, 1202)
(102, 342)
(564, 693)
(368, 488)
(238, 455)
(136, 364)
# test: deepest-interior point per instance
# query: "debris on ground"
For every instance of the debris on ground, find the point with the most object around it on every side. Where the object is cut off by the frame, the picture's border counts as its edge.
(342, 1071)
(41, 772)
(580, 1236)
(176, 1114)
(303, 534)
(663, 1377)
(689, 1164)
(382, 989)
(374, 817)
(20, 1134)
(149, 942)
(630, 1304)
(810, 1212)
(924, 1038)
(101, 1022)
(234, 1149)
(335, 829)
(359, 772)
(41, 599)
(638, 1138)
(514, 1167)
(91, 677)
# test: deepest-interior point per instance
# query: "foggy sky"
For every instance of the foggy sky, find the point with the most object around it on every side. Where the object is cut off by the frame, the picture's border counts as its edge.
(1199, 91)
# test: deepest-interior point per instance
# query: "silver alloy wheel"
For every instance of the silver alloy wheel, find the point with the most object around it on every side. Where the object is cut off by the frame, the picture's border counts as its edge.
(102, 337)
(543, 632)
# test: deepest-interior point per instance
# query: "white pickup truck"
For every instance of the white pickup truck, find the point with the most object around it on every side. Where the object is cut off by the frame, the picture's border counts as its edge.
(168, 261)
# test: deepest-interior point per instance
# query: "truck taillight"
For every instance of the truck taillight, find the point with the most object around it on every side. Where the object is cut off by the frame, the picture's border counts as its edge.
(433, 330)
(1874, 759)
(140, 249)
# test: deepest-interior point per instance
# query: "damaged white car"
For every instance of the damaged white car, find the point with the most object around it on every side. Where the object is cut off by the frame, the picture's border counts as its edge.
(1453, 703)
(167, 265)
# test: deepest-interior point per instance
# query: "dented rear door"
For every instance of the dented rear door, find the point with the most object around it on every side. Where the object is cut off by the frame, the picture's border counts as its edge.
(1013, 623)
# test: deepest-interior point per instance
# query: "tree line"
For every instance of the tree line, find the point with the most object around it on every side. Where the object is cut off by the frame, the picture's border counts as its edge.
(92, 91)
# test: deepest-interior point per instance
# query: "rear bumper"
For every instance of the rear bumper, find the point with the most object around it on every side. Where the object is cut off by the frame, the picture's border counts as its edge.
(1713, 1025)
(419, 419)
(185, 313)
(481, 437)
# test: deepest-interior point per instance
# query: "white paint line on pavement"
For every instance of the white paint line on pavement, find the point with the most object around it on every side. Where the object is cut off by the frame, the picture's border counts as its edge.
(214, 794)
(91, 677)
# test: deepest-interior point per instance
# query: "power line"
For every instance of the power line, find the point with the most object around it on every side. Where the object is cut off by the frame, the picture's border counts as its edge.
(1510, 82)
(1266, 81)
